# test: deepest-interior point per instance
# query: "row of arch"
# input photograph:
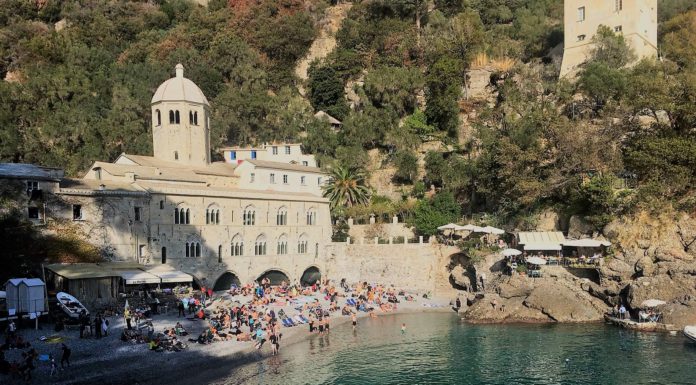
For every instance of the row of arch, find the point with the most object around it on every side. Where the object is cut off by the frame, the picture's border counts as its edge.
(310, 276)
(175, 117)
(182, 215)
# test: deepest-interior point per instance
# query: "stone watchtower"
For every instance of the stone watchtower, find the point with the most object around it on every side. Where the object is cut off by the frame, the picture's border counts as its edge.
(635, 19)
(181, 121)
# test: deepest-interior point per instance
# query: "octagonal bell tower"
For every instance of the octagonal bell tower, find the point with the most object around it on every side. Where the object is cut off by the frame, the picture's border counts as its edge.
(181, 121)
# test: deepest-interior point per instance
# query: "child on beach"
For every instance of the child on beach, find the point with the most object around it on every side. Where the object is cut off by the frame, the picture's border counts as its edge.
(403, 328)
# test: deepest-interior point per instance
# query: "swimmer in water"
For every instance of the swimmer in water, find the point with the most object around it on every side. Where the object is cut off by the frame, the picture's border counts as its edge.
(403, 328)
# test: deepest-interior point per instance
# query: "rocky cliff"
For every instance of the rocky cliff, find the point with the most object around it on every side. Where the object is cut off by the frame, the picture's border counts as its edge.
(652, 257)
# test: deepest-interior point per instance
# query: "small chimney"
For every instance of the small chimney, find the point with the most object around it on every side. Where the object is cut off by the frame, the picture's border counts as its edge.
(179, 70)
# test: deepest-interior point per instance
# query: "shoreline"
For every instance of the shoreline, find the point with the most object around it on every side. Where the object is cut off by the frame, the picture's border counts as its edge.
(112, 362)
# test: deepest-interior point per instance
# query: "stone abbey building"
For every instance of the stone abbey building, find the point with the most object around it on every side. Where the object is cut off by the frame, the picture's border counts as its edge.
(260, 210)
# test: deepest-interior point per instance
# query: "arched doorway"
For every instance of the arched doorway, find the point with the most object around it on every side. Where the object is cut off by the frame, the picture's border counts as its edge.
(276, 277)
(310, 276)
(225, 281)
(164, 255)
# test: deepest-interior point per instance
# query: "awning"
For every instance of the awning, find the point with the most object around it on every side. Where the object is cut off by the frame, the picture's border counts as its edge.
(542, 247)
(136, 277)
(586, 243)
(172, 276)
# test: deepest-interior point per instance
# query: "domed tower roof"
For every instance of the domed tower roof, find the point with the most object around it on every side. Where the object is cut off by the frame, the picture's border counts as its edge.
(179, 89)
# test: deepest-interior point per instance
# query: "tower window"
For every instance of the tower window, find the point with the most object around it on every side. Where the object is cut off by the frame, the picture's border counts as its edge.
(161, 205)
(137, 213)
(581, 14)
(195, 118)
(190, 117)
(176, 117)
(77, 212)
(159, 117)
(172, 118)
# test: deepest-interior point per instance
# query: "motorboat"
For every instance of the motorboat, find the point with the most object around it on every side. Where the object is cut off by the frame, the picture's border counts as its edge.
(70, 305)
(690, 332)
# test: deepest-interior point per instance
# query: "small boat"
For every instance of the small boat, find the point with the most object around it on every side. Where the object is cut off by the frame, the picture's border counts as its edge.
(70, 305)
(690, 332)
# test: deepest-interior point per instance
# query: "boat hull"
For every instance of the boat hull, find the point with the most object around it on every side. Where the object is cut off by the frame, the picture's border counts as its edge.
(70, 305)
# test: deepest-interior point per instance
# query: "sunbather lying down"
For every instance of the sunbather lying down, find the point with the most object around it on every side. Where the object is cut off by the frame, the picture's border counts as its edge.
(387, 307)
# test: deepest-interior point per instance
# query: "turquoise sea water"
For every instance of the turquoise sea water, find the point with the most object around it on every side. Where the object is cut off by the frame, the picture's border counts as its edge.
(438, 349)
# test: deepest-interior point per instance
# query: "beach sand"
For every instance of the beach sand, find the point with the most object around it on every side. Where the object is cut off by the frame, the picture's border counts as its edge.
(110, 361)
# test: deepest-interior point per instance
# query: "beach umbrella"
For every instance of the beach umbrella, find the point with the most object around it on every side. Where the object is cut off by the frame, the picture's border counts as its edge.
(493, 230)
(511, 252)
(536, 261)
(652, 303)
(449, 226)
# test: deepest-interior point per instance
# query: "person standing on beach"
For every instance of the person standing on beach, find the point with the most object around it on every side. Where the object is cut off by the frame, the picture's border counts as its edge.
(105, 326)
(127, 316)
(180, 307)
(403, 328)
(275, 345)
(354, 319)
(65, 358)
(97, 326)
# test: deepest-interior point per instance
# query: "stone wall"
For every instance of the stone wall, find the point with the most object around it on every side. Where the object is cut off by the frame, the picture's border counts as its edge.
(412, 266)
(383, 230)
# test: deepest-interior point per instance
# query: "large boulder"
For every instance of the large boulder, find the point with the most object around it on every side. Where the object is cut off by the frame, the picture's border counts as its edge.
(578, 227)
(668, 288)
(645, 267)
(563, 304)
(506, 310)
(548, 220)
(516, 286)
(680, 314)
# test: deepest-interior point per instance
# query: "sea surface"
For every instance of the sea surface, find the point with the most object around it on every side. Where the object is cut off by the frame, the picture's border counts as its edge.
(439, 349)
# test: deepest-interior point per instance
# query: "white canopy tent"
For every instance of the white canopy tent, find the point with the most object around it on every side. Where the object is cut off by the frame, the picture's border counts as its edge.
(586, 242)
(536, 261)
(171, 276)
(137, 277)
(510, 252)
(542, 247)
(492, 230)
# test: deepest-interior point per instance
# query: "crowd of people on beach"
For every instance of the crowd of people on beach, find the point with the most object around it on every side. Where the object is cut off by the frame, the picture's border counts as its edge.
(255, 313)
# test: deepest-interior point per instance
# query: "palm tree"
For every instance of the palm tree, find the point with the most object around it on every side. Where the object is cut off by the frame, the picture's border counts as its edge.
(346, 187)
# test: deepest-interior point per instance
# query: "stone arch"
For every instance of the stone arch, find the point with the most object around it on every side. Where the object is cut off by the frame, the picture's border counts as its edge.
(311, 275)
(275, 275)
(226, 280)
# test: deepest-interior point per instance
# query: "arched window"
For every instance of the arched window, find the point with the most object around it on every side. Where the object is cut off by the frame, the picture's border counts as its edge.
(195, 118)
(249, 216)
(198, 249)
(237, 245)
(164, 255)
(176, 117)
(311, 217)
(176, 155)
(260, 245)
(182, 216)
(302, 244)
(220, 254)
(158, 117)
(188, 250)
(190, 117)
(161, 205)
(282, 217)
(172, 118)
(282, 246)
(212, 215)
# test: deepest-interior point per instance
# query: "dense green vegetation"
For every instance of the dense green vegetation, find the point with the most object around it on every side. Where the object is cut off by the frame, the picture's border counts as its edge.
(81, 93)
